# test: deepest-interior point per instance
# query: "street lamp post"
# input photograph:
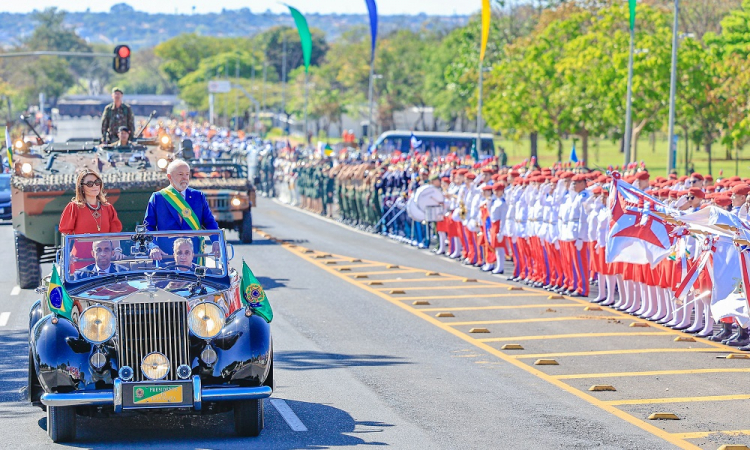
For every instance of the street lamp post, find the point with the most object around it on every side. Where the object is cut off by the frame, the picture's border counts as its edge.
(672, 88)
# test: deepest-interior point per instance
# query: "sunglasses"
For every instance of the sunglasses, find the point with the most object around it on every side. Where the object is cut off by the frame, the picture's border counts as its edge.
(691, 197)
(92, 183)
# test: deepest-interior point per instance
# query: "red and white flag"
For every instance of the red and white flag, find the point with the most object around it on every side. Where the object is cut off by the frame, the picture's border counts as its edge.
(636, 235)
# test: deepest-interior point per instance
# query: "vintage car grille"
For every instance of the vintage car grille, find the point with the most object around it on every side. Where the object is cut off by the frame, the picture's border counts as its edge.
(145, 328)
(218, 202)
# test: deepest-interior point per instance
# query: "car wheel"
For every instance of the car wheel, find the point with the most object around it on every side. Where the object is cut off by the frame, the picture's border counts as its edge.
(28, 271)
(246, 228)
(61, 423)
(248, 417)
(34, 389)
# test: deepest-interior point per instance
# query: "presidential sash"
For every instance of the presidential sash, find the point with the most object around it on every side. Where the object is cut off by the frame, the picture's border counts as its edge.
(178, 202)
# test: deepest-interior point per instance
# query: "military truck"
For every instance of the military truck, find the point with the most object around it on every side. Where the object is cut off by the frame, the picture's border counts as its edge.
(43, 182)
(230, 194)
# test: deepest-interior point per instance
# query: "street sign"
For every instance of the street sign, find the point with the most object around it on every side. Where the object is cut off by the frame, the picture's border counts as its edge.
(219, 86)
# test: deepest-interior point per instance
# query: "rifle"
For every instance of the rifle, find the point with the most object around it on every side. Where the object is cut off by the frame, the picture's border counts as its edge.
(153, 113)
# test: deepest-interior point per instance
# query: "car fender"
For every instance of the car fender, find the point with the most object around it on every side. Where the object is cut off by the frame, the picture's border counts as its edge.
(61, 355)
(35, 314)
(243, 349)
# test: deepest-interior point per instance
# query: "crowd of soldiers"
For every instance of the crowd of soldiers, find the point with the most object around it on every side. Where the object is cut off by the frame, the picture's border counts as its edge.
(545, 227)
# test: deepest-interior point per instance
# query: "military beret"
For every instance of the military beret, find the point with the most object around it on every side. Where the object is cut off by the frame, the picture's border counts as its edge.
(566, 175)
(697, 192)
(674, 193)
(514, 173)
(445, 180)
(734, 178)
(488, 170)
(722, 200)
(710, 188)
(697, 176)
(471, 175)
(487, 187)
(116, 89)
(741, 189)
(498, 186)
(462, 171)
(579, 177)
(642, 175)
(683, 178)
(597, 190)
(709, 177)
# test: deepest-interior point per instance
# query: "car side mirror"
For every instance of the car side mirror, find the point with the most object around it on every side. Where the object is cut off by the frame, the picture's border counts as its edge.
(230, 251)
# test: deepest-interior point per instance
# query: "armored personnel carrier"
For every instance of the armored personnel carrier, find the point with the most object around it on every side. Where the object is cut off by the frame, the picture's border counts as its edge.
(43, 182)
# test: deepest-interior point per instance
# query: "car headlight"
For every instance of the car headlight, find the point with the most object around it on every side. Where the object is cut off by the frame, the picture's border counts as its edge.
(164, 140)
(155, 366)
(236, 201)
(97, 324)
(206, 320)
(26, 168)
(162, 163)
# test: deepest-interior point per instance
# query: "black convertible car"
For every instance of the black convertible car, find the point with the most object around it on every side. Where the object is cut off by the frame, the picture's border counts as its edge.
(150, 321)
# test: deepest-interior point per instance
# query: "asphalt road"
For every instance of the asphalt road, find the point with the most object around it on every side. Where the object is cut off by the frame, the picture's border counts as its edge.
(374, 346)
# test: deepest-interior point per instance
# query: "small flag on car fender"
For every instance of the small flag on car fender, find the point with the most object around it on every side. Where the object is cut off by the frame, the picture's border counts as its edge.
(253, 294)
(60, 302)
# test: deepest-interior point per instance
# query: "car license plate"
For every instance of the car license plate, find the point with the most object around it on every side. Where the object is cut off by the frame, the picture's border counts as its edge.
(157, 394)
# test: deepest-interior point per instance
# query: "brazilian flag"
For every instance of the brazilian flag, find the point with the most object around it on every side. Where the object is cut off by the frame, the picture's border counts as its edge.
(253, 294)
(60, 302)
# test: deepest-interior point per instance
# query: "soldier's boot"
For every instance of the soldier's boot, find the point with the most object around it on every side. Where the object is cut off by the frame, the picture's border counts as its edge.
(741, 339)
(629, 297)
(602, 289)
(724, 333)
(442, 236)
(661, 302)
(611, 282)
(687, 315)
(653, 302)
(639, 298)
(648, 300)
(500, 265)
(674, 310)
(700, 312)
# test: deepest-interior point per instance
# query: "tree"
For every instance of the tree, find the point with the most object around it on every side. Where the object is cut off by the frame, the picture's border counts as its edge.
(271, 43)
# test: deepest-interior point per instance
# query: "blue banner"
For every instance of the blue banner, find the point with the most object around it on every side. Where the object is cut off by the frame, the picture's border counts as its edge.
(373, 10)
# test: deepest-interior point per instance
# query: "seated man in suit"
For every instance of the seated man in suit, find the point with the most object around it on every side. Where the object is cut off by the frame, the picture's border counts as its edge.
(103, 253)
(178, 207)
(184, 256)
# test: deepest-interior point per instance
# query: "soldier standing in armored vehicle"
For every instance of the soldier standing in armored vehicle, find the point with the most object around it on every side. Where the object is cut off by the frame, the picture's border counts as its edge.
(116, 115)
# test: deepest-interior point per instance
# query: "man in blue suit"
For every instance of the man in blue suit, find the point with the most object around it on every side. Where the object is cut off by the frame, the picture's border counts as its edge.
(103, 253)
(178, 207)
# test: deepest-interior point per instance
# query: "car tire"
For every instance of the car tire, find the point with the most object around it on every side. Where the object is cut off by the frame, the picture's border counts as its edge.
(28, 270)
(248, 417)
(61, 423)
(246, 228)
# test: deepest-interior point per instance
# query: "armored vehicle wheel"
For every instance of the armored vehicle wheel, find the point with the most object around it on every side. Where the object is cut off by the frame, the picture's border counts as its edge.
(246, 228)
(61, 423)
(28, 270)
(248, 417)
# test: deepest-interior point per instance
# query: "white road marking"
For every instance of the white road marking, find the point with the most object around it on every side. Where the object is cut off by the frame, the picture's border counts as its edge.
(286, 412)
(4, 319)
(16, 290)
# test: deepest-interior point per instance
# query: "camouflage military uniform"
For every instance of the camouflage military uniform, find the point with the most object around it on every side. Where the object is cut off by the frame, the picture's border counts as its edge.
(113, 118)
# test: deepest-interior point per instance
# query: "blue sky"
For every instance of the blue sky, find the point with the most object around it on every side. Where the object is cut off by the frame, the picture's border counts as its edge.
(437, 7)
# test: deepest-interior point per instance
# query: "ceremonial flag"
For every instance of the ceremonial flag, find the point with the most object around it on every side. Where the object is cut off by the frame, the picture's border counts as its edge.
(9, 148)
(573, 156)
(486, 14)
(60, 302)
(253, 294)
(372, 9)
(304, 35)
(636, 235)
(631, 4)
(414, 142)
(327, 150)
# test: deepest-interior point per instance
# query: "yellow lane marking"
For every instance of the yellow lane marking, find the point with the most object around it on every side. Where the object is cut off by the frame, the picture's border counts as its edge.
(463, 287)
(652, 373)
(572, 336)
(702, 434)
(411, 280)
(539, 319)
(511, 360)
(653, 401)
(351, 265)
(383, 272)
(617, 352)
(485, 308)
(469, 296)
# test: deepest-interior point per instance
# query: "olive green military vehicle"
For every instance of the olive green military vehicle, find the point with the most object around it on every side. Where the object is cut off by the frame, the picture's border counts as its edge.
(43, 182)
(230, 194)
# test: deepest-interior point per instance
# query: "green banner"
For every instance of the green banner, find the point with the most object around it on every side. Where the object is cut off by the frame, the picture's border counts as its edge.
(253, 294)
(304, 35)
(631, 4)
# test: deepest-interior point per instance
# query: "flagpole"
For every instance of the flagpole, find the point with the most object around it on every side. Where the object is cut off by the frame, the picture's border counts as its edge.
(369, 120)
(479, 111)
(306, 75)
(672, 88)
(629, 100)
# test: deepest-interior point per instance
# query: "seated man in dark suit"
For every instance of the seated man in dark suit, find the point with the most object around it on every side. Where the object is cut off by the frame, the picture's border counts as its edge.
(184, 256)
(103, 252)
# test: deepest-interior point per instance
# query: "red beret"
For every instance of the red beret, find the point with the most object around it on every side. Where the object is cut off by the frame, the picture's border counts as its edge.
(579, 177)
(734, 178)
(597, 190)
(683, 178)
(697, 192)
(471, 175)
(487, 187)
(741, 189)
(462, 171)
(697, 176)
(498, 186)
(445, 180)
(722, 200)
(566, 175)
(502, 177)
(709, 177)
(488, 170)
(642, 175)
(673, 193)
(514, 173)
(710, 188)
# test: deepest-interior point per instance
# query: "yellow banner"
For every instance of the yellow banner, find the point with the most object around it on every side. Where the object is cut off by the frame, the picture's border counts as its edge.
(486, 13)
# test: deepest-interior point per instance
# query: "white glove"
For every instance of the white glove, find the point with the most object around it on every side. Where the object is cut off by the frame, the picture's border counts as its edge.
(579, 244)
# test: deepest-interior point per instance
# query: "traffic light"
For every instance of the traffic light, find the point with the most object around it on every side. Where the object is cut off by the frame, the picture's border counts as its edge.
(121, 62)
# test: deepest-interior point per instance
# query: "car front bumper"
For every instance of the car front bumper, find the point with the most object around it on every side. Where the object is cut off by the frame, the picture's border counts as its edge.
(113, 397)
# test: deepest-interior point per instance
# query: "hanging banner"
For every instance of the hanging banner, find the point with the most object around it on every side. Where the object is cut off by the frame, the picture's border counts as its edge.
(373, 10)
(304, 35)
(486, 13)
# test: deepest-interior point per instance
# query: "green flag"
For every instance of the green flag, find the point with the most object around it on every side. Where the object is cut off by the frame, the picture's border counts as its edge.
(304, 35)
(253, 294)
(60, 302)
(631, 3)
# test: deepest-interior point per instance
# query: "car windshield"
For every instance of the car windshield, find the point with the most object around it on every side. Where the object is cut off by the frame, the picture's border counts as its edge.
(215, 171)
(99, 255)
(4, 183)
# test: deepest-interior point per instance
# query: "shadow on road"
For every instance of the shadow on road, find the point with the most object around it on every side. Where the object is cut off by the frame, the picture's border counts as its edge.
(272, 283)
(322, 360)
